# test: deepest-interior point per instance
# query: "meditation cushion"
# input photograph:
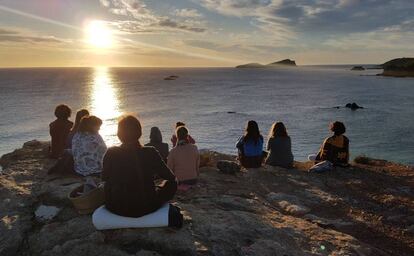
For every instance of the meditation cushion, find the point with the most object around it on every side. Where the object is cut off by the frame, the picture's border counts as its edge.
(104, 219)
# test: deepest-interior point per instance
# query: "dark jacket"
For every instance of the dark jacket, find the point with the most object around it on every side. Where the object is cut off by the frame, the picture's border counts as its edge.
(280, 152)
(59, 131)
(129, 180)
(335, 149)
(156, 142)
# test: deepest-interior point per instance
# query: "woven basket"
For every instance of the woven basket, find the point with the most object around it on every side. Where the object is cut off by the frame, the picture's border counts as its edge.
(87, 203)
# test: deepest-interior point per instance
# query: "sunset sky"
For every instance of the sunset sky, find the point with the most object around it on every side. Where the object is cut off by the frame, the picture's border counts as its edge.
(203, 32)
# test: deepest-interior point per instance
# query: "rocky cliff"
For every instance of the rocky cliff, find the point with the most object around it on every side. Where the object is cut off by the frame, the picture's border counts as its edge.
(367, 209)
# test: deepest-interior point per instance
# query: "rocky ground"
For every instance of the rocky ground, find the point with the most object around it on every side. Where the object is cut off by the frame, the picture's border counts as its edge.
(367, 209)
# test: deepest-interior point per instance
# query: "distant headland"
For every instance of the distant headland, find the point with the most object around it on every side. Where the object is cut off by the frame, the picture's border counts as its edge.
(285, 62)
(401, 67)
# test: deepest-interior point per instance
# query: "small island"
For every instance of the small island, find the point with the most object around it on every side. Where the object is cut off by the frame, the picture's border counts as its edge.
(357, 68)
(401, 67)
(281, 63)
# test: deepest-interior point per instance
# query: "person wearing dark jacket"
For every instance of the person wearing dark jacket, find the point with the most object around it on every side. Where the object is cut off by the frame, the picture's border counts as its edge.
(335, 148)
(59, 131)
(279, 147)
(156, 142)
(129, 172)
(250, 146)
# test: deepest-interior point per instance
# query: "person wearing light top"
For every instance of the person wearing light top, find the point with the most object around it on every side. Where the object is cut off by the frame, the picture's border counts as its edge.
(88, 147)
(184, 159)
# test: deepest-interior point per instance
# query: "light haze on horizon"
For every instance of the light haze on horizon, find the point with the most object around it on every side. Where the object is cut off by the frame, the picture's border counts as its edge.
(203, 33)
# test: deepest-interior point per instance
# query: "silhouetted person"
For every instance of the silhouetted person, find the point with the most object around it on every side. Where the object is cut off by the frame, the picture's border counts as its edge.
(250, 146)
(129, 172)
(279, 147)
(156, 142)
(335, 148)
(81, 113)
(59, 130)
(88, 147)
(184, 159)
(174, 137)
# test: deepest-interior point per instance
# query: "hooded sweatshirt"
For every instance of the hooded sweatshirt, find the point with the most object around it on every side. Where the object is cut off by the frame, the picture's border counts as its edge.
(156, 142)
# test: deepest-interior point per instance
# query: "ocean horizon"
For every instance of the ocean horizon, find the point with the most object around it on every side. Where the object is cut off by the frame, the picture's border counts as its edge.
(216, 103)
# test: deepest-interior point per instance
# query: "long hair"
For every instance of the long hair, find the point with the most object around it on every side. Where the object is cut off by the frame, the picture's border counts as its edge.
(88, 124)
(278, 130)
(155, 135)
(252, 132)
(79, 115)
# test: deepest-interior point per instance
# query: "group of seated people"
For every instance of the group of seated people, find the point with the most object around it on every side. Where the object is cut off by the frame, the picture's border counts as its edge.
(334, 149)
(140, 179)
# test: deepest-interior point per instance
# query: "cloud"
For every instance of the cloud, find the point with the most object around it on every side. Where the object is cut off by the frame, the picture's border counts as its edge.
(188, 13)
(142, 20)
(15, 36)
(341, 16)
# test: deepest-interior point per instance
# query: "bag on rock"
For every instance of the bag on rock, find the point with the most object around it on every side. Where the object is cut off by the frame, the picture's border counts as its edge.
(228, 167)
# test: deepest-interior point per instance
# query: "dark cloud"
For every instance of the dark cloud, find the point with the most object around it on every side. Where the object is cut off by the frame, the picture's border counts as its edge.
(173, 24)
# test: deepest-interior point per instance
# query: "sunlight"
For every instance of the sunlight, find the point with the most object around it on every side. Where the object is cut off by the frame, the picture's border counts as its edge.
(98, 35)
(105, 104)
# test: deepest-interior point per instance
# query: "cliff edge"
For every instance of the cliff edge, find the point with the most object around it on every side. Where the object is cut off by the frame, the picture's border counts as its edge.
(367, 209)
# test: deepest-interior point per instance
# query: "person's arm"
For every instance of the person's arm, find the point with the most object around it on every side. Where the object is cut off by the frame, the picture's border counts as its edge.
(269, 141)
(240, 143)
(326, 151)
(170, 162)
(159, 167)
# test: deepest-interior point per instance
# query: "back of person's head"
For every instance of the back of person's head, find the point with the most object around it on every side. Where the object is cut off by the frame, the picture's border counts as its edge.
(129, 130)
(178, 124)
(278, 130)
(79, 115)
(90, 124)
(181, 133)
(155, 135)
(338, 128)
(63, 111)
(252, 131)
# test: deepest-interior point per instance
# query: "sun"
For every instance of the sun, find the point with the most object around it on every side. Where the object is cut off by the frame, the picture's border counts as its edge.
(98, 35)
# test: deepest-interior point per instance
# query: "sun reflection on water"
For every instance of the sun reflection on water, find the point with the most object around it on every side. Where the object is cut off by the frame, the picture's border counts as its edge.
(105, 104)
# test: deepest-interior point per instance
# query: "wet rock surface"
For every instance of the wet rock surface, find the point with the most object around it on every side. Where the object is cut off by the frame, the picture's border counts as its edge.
(366, 209)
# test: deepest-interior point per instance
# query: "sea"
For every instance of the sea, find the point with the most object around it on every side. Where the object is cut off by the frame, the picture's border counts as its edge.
(216, 103)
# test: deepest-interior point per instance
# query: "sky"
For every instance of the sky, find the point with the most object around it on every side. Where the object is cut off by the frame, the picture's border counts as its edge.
(203, 33)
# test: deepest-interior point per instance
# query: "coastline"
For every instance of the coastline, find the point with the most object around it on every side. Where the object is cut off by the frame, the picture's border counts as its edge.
(366, 209)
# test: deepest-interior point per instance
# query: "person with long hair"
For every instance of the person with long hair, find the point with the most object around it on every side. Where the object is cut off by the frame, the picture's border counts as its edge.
(184, 159)
(59, 130)
(79, 115)
(129, 174)
(88, 147)
(279, 147)
(334, 148)
(250, 146)
(156, 142)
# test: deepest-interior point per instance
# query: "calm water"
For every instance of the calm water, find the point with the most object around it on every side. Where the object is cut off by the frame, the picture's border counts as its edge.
(302, 98)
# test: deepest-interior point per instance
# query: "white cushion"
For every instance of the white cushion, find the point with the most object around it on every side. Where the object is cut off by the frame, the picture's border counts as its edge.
(104, 219)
